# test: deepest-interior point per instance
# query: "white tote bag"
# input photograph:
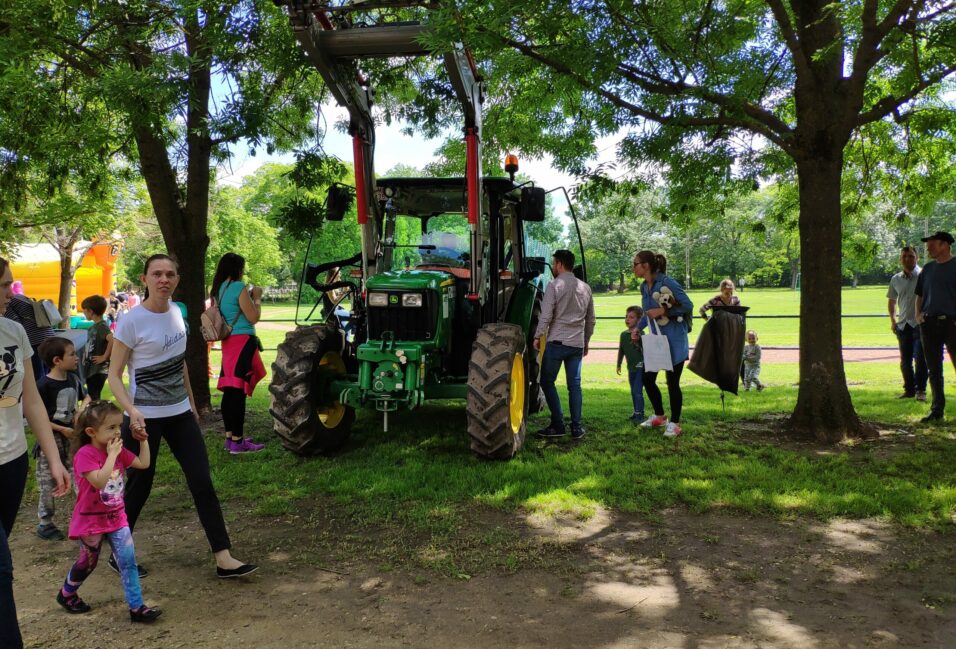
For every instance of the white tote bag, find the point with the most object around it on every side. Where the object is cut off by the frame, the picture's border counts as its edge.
(657, 350)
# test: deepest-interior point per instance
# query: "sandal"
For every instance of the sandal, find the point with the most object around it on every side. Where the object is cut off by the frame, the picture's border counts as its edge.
(72, 603)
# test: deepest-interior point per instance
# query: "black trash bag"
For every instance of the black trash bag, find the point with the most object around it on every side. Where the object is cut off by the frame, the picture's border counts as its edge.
(719, 351)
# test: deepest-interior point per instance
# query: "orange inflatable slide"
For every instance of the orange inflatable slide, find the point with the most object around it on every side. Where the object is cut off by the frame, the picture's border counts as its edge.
(37, 265)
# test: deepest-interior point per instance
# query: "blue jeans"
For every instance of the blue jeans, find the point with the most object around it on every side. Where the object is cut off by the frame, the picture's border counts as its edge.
(554, 356)
(636, 379)
(911, 350)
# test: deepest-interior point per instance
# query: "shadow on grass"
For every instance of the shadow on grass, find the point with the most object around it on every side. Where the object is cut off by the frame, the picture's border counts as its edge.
(421, 471)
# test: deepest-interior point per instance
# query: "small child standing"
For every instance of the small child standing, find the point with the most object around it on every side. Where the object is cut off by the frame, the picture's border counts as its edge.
(60, 390)
(632, 349)
(100, 464)
(99, 345)
(752, 362)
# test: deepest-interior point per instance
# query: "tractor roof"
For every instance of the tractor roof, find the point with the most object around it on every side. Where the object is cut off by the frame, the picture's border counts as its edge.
(427, 197)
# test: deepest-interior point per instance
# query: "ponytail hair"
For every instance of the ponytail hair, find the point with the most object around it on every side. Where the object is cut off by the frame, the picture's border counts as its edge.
(4, 265)
(656, 262)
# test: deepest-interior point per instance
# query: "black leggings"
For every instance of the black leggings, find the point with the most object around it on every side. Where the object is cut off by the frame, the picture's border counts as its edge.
(13, 479)
(185, 441)
(233, 409)
(673, 391)
(94, 385)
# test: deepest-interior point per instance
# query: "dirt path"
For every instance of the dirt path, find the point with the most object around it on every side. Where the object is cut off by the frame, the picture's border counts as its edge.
(683, 580)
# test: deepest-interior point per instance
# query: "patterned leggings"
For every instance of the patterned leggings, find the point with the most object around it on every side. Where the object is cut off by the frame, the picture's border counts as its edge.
(121, 541)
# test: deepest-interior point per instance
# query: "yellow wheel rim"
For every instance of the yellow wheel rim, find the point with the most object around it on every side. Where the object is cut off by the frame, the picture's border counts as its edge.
(331, 415)
(516, 405)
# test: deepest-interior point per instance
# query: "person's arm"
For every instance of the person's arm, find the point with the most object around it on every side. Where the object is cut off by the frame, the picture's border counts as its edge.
(101, 476)
(757, 353)
(251, 304)
(547, 314)
(684, 305)
(105, 356)
(189, 392)
(118, 359)
(919, 309)
(620, 353)
(142, 461)
(35, 413)
(589, 321)
(891, 307)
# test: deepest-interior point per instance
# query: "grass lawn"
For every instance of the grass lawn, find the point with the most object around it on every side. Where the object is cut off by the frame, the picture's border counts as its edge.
(421, 472)
(773, 332)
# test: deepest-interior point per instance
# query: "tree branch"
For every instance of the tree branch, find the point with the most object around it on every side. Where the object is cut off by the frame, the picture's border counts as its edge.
(780, 14)
(754, 126)
(890, 103)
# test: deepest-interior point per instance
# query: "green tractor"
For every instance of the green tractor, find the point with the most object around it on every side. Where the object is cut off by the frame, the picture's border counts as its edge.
(448, 316)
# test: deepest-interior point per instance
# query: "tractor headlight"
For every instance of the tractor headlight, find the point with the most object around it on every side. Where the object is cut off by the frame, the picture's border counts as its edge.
(412, 299)
(378, 299)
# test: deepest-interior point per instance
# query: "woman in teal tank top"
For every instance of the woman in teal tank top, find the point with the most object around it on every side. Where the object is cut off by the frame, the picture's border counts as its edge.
(242, 368)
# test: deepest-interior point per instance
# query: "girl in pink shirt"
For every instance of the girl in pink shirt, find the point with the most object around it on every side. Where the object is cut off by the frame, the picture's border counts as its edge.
(99, 467)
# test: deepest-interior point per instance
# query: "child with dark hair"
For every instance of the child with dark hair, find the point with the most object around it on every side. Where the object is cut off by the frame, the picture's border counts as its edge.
(100, 463)
(98, 346)
(630, 348)
(60, 391)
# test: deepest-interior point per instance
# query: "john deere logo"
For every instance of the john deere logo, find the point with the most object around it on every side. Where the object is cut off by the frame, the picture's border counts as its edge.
(393, 299)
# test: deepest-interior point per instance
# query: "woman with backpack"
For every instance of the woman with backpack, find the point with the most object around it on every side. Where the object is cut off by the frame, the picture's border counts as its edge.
(241, 307)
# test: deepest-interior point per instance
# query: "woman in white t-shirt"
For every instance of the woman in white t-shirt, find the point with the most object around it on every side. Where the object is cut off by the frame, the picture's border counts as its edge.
(18, 398)
(151, 340)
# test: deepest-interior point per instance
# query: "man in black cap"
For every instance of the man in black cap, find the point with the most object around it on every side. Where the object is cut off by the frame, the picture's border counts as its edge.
(936, 314)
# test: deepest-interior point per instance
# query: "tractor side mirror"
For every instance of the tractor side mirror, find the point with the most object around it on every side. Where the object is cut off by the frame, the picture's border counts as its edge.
(532, 204)
(337, 202)
(533, 266)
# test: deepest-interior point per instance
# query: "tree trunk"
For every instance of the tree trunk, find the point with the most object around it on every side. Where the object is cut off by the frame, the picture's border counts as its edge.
(621, 285)
(824, 409)
(63, 302)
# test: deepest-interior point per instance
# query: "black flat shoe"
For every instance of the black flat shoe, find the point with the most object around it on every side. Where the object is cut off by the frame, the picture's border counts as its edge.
(143, 572)
(144, 614)
(72, 604)
(241, 571)
(931, 417)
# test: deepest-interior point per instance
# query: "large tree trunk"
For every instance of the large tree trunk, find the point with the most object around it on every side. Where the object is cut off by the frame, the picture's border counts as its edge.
(824, 409)
(183, 216)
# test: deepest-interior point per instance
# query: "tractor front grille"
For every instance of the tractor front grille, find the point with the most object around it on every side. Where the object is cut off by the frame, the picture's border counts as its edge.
(405, 323)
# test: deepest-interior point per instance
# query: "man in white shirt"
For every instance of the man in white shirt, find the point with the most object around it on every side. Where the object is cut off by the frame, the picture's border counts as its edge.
(901, 303)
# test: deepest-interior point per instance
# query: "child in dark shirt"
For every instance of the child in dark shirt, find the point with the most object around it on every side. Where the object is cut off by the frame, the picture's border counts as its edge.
(60, 390)
(98, 346)
(630, 348)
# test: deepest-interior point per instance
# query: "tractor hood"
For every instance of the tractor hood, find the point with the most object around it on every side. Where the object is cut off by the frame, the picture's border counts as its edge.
(409, 280)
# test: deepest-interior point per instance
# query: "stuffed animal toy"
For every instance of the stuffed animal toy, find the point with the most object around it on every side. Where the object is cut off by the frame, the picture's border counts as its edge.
(665, 298)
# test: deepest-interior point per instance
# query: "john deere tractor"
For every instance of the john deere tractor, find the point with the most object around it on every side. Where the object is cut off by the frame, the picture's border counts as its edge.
(446, 314)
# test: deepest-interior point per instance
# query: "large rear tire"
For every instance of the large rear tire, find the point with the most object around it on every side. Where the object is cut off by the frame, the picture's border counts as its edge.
(306, 422)
(497, 409)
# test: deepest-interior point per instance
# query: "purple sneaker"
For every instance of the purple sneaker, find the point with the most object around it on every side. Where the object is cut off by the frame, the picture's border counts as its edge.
(227, 445)
(245, 446)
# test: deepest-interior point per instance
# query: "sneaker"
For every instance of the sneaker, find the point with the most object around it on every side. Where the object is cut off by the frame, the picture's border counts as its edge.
(654, 421)
(636, 418)
(672, 430)
(921, 395)
(551, 432)
(931, 417)
(227, 445)
(72, 603)
(578, 433)
(144, 614)
(245, 446)
(50, 532)
(143, 572)
(760, 387)
(906, 395)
